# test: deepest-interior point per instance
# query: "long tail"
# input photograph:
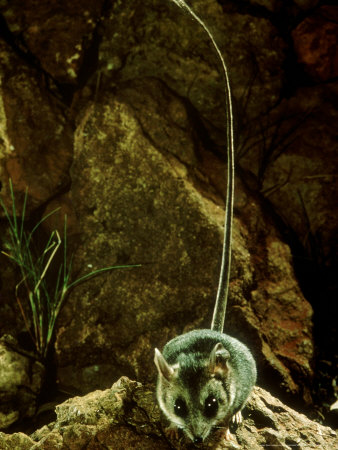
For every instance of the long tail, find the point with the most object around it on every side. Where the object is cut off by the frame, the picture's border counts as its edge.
(217, 323)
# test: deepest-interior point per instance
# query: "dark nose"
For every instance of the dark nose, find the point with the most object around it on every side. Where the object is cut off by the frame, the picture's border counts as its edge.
(198, 440)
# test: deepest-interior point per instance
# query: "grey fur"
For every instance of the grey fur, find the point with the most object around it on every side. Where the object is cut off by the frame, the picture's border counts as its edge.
(194, 380)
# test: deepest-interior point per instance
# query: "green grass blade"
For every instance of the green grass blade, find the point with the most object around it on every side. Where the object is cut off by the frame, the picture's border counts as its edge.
(40, 222)
(65, 250)
(34, 317)
(57, 284)
(40, 260)
(68, 272)
(96, 272)
(23, 214)
(15, 225)
(54, 245)
(8, 217)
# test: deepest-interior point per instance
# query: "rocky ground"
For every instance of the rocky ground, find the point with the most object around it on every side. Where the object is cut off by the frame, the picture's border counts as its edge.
(125, 417)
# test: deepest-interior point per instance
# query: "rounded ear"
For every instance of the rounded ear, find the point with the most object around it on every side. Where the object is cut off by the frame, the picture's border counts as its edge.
(163, 367)
(218, 359)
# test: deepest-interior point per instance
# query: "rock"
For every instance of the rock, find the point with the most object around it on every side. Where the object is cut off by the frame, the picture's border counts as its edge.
(138, 203)
(306, 4)
(15, 441)
(283, 427)
(278, 6)
(126, 416)
(296, 163)
(276, 303)
(135, 174)
(21, 378)
(35, 145)
(270, 5)
(138, 44)
(112, 418)
(11, 318)
(57, 35)
(316, 40)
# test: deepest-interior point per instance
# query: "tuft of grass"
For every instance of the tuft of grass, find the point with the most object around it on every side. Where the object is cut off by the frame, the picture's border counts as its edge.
(45, 301)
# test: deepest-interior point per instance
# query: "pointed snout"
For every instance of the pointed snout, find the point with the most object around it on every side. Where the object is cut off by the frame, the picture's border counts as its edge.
(198, 440)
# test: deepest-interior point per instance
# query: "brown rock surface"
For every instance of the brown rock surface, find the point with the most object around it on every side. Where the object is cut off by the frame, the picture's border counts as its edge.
(35, 145)
(126, 417)
(21, 378)
(296, 163)
(316, 42)
(56, 34)
(155, 40)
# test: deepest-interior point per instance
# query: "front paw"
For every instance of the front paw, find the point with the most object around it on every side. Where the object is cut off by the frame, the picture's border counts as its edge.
(237, 418)
(171, 432)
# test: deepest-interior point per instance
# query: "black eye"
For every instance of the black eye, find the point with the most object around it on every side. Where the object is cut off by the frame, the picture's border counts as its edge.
(180, 408)
(210, 406)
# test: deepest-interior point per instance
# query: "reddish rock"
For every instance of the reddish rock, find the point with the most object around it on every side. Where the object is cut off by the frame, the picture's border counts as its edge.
(296, 164)
(316, 43)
